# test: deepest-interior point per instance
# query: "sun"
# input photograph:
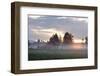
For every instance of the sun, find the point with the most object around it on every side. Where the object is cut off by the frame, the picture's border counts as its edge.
(78, 41)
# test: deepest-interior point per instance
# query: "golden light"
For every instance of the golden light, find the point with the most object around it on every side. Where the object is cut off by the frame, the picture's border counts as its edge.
(77, 46)
(78, 41)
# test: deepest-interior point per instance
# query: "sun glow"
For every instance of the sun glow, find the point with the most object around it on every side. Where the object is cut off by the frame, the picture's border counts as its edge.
(77, 46)
(78, 41)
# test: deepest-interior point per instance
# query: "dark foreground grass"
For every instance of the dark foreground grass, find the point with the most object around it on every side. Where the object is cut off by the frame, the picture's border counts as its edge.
(50, 54)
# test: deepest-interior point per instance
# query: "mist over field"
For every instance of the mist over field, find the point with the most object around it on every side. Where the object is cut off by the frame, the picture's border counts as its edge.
(57, 37)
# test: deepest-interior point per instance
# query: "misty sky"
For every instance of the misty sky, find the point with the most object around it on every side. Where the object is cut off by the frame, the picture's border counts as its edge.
(43, 27)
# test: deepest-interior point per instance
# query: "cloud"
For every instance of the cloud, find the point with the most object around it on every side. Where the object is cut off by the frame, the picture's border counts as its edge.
(44, 26)
(61, 17)
(80, 19)
(45, 34)
(74, 18)
(34, 17)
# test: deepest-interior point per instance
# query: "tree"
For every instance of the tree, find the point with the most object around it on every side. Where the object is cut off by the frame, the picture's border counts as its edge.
(86, 40)
(83, 40)
(29, 43)
(38, 41)
(54, 40)
(68, 37)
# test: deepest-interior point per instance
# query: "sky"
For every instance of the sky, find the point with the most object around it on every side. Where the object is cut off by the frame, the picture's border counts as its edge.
(44, 26)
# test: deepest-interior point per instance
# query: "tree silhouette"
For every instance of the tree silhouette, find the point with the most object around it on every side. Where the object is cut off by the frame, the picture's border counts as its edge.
(86, 38)
(54, 40)
(29, 43)
(38, 41)
(67, 38)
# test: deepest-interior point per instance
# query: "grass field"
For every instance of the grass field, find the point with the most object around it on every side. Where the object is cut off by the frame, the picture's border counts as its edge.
(50, 54)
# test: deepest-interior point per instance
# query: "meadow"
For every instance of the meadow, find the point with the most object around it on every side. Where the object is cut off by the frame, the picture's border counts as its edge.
(50, 54)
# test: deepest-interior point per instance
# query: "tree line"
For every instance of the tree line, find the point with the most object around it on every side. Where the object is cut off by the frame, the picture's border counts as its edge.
(67, 39)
